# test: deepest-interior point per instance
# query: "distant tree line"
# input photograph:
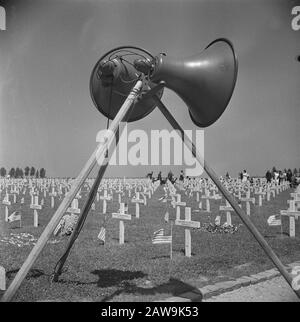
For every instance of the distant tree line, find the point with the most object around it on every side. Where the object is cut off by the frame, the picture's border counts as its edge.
(27, 172)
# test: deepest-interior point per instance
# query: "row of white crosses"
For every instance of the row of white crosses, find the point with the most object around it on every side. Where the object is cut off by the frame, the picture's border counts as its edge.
(207, 196)
(146, 185)
(34, 205)
(44, 184)
(259, 188)
(267, 190)
(197, 189)
(74, 209)
(35, 189)
(293, 212)
(122, 214)
(210, 192)
(61, 185)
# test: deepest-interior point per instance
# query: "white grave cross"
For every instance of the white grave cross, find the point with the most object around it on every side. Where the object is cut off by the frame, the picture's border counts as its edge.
(177, 204)
(7, 203)
(207, 197)
(105, 197)
(74, 207)
(248, 199)
(228, 210)
(35, 206)
(14, 192)
(52, 195)
(293, 214)
(121, 215)
(188, 223)
(137, 202)
(260, 194)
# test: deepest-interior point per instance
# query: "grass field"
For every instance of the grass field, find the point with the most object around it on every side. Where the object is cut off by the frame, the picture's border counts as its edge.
(139, 270)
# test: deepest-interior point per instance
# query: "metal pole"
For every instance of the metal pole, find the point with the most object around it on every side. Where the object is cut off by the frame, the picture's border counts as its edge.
(100, 150)
(241, 213)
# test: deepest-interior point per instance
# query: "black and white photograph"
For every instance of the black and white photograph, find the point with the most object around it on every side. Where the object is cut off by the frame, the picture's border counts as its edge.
(148, 154)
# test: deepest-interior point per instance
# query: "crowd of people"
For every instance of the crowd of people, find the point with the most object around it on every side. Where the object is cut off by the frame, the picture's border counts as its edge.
(273, 175)
(170, 177)
(278, 176)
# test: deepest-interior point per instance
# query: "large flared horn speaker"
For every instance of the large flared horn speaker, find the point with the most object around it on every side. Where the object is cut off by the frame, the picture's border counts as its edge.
(205, 81)
(113, 78)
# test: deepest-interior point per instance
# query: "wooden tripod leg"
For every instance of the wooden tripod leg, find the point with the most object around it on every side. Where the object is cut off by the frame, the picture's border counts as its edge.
(241, 213)
(97, 154)
(85, 212)
(80, 222)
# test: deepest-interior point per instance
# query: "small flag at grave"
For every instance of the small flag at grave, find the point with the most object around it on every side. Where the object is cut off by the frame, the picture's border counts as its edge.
(101, 234)
(14, 216)
(272, 221)
(166, 217)
(159, 238)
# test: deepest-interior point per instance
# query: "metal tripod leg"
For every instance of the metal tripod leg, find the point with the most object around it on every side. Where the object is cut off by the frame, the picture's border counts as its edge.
(241, 213)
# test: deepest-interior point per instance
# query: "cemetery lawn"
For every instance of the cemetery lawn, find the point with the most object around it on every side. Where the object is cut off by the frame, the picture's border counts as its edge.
(139, 270)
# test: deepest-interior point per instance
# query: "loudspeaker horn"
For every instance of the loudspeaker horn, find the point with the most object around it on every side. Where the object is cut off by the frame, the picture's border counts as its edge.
(205, 81)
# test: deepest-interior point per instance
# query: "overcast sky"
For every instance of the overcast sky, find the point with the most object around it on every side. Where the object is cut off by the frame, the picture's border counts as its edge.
(47, 118)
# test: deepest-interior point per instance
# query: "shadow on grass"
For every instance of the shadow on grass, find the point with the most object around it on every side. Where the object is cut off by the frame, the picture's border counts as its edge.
(112, 277)
(173, 286)
(160, 256)
(122, 279)
(182, 252)
(108, 277)
(278, 235)
(115, 241)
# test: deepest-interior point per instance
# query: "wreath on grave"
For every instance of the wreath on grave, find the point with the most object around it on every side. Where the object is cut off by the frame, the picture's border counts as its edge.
(66, 225)
(219, 229)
